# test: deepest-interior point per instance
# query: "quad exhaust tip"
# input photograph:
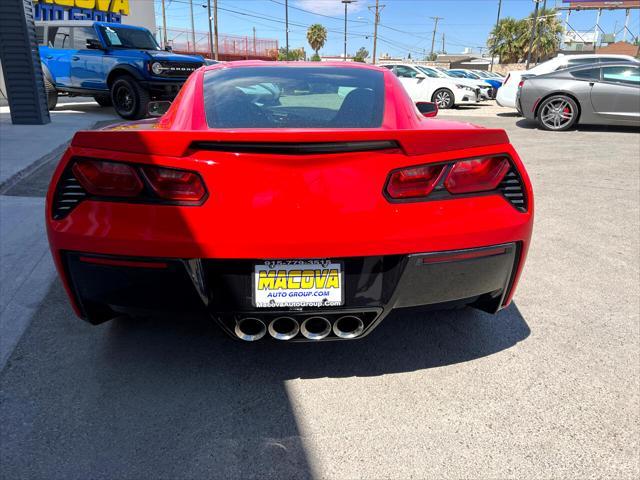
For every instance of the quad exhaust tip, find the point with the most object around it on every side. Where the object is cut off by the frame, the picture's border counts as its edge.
(348, 326)
(315, 328)
(250, 329)
(283, 328)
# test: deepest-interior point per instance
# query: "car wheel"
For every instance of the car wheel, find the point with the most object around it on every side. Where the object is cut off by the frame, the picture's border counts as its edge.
(557, 113)
(52, 94)
(129, 99)
(443, 98)
(103, 100)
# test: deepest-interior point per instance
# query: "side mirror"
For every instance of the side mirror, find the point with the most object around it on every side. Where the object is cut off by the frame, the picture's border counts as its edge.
(168, 48)
(427, 109)
(94, 44)
(158, 108)
(420, 76)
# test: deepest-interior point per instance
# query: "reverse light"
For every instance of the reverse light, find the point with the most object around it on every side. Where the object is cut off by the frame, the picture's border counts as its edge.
(176, 185)
(109, 179)
(414, 182)
(476, 175)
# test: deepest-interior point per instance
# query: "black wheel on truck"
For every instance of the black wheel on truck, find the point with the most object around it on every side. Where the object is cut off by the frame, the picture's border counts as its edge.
(103, 100)
(129, 99)
(52, 94)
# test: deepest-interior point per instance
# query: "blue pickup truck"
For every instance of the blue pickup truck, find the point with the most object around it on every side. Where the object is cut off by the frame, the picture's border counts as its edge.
(119, 65)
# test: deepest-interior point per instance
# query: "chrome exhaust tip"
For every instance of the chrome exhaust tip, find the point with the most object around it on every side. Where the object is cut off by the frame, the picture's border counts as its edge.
(250, 329)
(348, 326)
(283, 328)
(315, 328)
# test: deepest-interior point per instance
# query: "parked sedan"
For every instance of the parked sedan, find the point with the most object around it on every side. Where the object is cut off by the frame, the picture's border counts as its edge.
(605, 93)
(424, 87)
(485, 90)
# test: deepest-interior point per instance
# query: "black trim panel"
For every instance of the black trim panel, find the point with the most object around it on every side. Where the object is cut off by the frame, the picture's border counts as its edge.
(283, 148)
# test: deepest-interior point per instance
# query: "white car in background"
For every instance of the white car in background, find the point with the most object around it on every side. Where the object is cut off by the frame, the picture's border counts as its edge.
(485, 89)
(445, 92)
(506, 96)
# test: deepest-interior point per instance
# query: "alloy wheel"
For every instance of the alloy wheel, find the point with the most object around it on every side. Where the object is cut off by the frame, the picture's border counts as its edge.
(557, 114)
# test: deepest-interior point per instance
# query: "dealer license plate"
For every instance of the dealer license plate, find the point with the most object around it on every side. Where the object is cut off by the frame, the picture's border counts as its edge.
(298, 283)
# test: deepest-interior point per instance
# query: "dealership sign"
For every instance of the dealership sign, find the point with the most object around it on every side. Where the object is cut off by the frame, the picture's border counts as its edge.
(98, 10)
(607, 4)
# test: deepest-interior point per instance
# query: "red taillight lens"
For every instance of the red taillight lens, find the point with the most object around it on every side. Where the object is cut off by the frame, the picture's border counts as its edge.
(177, 185)
(520, 83)
(477, 175)
(109, 179)
(414, 182)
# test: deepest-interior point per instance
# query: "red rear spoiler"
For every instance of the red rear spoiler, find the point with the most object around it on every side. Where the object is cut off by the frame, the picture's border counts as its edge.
(181, 143)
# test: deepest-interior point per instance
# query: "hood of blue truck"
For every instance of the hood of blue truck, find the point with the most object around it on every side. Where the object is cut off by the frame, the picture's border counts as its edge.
(163, 56)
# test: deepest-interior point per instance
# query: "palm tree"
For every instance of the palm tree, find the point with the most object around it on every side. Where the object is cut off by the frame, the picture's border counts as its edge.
(316, 36)
(507, 40)
(548, 32)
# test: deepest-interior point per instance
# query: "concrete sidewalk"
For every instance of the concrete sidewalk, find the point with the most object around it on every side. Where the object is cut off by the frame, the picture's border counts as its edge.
(26, 267)
(25, 147)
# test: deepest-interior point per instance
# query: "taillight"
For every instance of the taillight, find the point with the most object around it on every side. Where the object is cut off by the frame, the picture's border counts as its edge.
(441, 181)
(414, 181)
(108, 179)
(177, 185)
(520, 83)
(94, 179)
(477, 175)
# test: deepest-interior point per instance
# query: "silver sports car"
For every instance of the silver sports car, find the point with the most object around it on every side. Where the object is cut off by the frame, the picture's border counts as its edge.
(604, 93)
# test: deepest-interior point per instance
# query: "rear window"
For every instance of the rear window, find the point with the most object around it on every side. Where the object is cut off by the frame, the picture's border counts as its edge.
(294, 97)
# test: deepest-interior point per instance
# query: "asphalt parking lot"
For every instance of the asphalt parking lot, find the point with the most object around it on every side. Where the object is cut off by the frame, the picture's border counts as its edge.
(550, 387)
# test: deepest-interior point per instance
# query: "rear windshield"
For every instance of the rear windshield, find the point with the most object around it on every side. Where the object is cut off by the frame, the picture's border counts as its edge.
(294, 97)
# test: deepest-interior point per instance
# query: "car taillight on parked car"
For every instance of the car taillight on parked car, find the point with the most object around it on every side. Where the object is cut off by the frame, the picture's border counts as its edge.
(520, 83)
(475, 175)
(107, 179)
(176, 185)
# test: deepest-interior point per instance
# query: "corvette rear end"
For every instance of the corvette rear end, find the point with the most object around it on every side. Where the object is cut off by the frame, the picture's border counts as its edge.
(286, 215)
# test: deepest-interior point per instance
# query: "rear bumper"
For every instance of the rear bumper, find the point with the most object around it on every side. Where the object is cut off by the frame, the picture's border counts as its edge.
(103, 287)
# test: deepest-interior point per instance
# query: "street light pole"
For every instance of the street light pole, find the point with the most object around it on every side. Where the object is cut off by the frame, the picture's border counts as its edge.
(534, 31)
(193, 28)
(346, 3)
(164, 26)
(497, 22)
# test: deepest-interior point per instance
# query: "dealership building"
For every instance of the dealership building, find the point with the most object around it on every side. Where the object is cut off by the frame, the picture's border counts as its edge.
(20, 73)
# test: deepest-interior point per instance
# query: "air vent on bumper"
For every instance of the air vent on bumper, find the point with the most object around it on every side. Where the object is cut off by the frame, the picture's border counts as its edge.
(512, 189)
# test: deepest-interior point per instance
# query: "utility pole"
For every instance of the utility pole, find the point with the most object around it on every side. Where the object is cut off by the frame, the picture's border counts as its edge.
(210, 31)
(534, 30)
(346, 3)
(164, 26)
(378, 9)
(443, 50)
(215, 27)
(497, 22)
(286, 31)
(193, 28)
(254, 41)
(435, 28)
(544, 12)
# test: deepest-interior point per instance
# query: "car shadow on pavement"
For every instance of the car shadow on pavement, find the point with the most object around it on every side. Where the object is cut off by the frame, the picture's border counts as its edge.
(531, 125)
(175, 397)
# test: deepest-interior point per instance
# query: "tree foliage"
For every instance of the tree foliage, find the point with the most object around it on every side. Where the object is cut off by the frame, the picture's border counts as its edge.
(295, 54)
(316, 36)
(361, 55)
(510, 38)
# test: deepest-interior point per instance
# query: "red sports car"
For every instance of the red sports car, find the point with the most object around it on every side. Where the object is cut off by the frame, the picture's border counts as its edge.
(298, 201)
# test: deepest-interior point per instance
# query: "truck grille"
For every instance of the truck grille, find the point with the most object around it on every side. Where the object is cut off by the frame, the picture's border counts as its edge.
(179, 69)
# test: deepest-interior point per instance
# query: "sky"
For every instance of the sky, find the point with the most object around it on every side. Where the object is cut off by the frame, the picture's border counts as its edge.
(405, 25)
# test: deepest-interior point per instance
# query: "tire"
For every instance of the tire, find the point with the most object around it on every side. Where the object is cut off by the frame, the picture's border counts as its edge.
(103, 100)
(129, 99)
(52, 94)
(443, 97)
(557, 113)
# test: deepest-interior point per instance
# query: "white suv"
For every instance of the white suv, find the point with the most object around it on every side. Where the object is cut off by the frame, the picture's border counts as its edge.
(425, 87)
(506, 96)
